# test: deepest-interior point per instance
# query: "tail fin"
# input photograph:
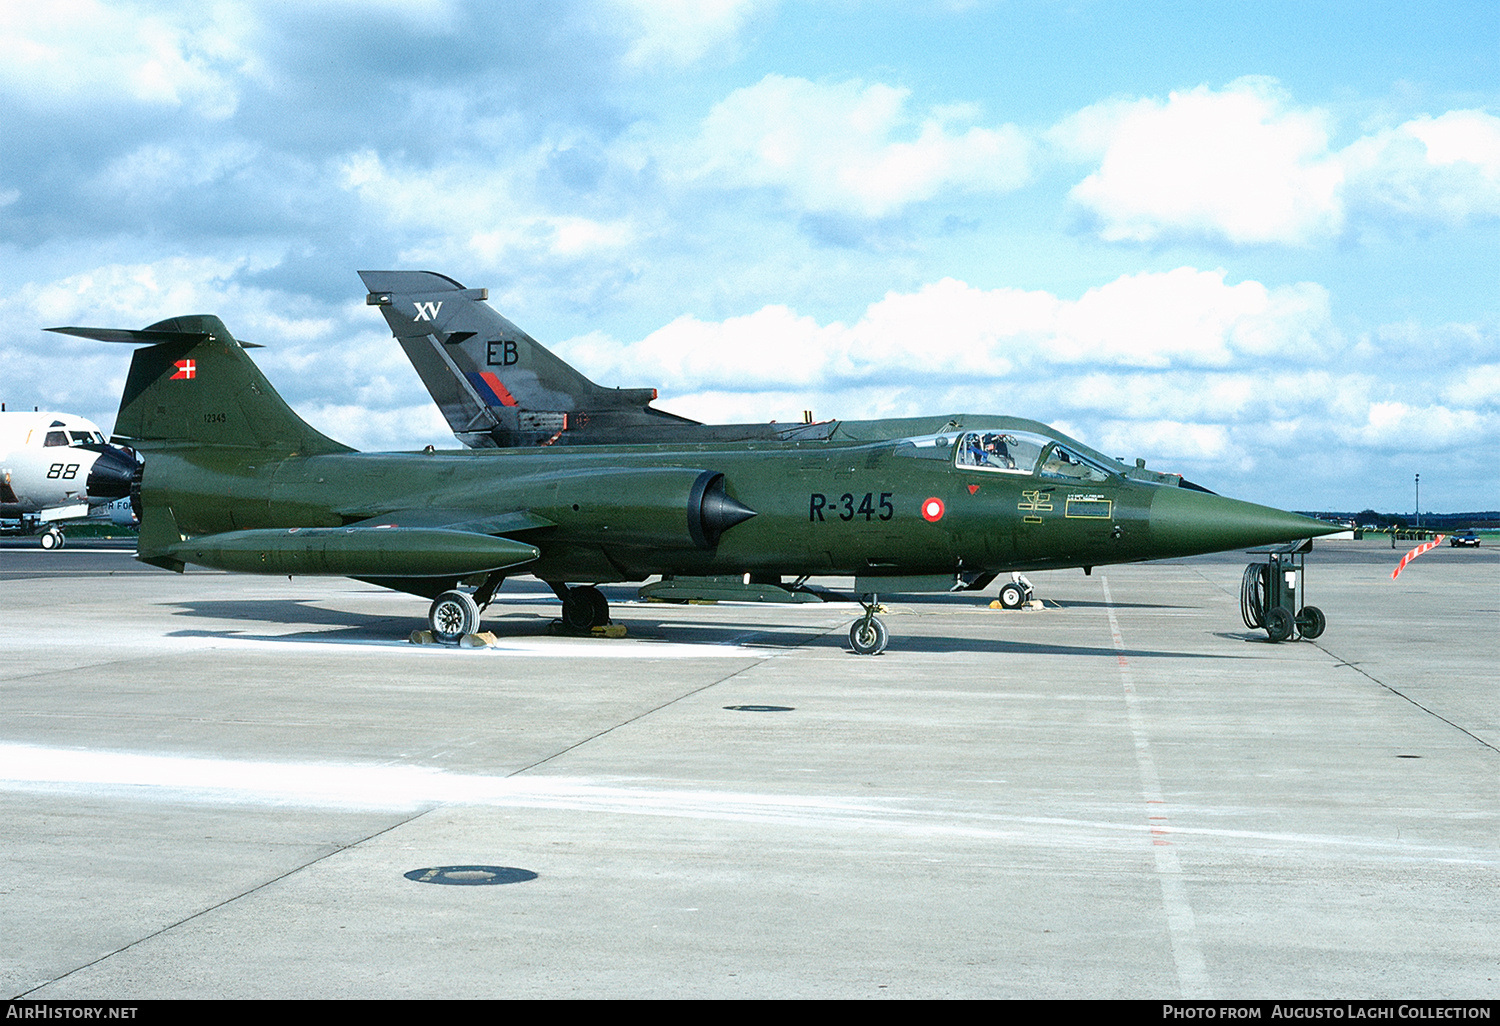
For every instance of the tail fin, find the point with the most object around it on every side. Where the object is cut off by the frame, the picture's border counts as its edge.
(194, 383)
(495, 384)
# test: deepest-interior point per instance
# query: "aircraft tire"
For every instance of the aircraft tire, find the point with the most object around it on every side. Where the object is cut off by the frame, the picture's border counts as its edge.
(1278, 624)
(452, 615)
(1311, 622)
(585, 608)
(868, 636)
(53, 539)
(1012, 595)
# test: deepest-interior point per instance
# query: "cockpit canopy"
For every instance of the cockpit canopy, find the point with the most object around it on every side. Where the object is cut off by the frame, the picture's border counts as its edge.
(1009, 452)
(74, 438)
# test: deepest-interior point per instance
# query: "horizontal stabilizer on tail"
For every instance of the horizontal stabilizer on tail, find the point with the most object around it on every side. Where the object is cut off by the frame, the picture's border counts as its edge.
(193, 383)
(144, 336)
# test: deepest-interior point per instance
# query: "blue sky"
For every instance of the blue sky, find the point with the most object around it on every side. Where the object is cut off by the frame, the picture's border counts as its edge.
(1255, 243)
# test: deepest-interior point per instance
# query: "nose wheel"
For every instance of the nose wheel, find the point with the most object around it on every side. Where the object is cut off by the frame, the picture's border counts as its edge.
(868, 635)
(52, 538)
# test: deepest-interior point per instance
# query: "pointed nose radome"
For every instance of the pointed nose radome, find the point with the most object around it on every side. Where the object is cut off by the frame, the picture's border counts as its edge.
(112, 475)
(1187, 523)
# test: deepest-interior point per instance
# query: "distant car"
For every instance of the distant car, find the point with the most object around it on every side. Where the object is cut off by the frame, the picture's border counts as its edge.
(1469, 538)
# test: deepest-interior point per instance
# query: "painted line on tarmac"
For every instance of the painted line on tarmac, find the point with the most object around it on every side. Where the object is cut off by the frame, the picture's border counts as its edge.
(1187, 953)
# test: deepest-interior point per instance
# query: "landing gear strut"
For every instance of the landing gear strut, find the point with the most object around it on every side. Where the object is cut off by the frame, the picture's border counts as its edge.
(868, 634)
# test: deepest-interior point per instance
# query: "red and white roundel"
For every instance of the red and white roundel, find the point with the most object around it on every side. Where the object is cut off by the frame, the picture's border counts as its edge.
(932, 510)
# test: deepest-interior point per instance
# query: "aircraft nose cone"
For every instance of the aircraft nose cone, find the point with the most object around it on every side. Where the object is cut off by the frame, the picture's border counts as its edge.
(1186, 522)
(717, 511)
(111, 476)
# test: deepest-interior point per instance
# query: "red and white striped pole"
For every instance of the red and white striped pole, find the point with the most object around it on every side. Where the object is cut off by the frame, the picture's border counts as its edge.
(1414, 553)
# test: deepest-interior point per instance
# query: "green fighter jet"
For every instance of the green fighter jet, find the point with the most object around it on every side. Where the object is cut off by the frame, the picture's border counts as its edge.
(500, 388)
(233, 479)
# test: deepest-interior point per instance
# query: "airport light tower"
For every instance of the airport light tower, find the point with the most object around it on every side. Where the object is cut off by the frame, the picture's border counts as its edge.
(1419, 503)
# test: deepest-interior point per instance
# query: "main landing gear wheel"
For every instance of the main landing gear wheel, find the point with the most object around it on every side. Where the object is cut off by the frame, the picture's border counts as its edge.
(1011, 596)
(452, 615)
(53, 539)
(1278, 624)
(585, 608)
(868, 636)
(1310, 622)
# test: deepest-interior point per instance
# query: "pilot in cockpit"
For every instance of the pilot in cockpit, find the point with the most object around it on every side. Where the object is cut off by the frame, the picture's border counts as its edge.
(997, 452)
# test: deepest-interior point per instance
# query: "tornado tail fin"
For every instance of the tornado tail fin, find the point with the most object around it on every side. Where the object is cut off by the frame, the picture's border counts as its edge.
(495, 384)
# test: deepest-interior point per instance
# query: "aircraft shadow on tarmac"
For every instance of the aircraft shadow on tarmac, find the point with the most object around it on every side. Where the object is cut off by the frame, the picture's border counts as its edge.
(932, 644)
(351, 628)
(287, 611)
(1253, 637)
(361, 628)
(1092, 604)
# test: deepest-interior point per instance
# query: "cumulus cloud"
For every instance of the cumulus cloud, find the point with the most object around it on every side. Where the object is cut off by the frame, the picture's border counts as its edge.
(1246, 165)
(1180, 318)
(1396, 426)
(1477, 386)
(127, 295)
(1241, 164)
(1170, 440)
(59, 52)
(1444, 169)
(681, 32)
(851, 148)
(486, 209)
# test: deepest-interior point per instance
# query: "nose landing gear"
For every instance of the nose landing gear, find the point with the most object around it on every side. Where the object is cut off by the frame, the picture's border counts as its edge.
(868, 635)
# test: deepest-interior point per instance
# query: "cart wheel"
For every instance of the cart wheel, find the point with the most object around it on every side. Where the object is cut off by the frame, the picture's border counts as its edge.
(1278, 624)
(1311, 621)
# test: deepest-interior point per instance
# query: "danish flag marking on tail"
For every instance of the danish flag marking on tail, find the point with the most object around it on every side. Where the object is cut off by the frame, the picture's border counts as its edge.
(186, 370)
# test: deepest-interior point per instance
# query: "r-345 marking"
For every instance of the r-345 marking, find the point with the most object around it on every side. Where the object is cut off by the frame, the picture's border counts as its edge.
(845, 509)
